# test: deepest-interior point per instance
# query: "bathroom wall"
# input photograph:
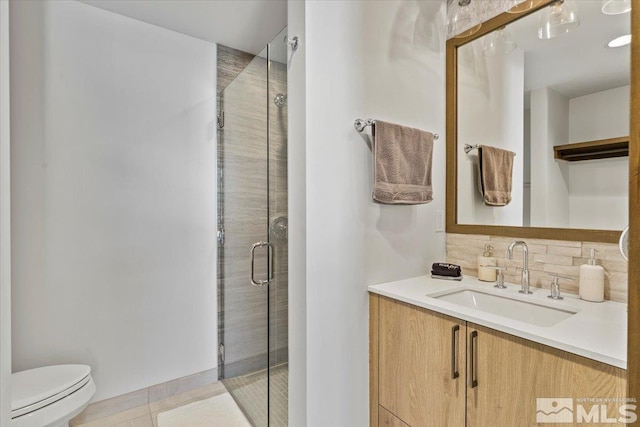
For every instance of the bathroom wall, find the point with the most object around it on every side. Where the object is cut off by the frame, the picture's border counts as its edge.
(599, 194)
(296, 193)
(545, 256)
(526, 190)
(5, 225)
(587, 194)
(383, 60)
(599, 115)
(490, 100)
(113, 196)
(599, 189)
(549, 177)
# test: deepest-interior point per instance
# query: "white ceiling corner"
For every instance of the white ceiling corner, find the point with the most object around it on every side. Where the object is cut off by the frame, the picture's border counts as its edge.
(247, 25)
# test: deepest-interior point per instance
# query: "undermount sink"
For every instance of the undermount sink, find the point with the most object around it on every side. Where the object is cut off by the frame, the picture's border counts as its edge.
(532, 312)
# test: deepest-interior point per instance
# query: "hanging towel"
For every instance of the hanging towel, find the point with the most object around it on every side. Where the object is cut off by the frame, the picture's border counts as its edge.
(402, 164)
(495, 170)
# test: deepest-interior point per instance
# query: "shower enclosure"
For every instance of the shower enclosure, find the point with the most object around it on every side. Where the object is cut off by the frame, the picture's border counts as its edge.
(252, 232)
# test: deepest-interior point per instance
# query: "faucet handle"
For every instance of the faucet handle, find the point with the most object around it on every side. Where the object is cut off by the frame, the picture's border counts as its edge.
(555, 285)
(500, 280)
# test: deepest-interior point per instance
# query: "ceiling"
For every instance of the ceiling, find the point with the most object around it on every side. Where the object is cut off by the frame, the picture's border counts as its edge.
(247, 25)
(579, 62)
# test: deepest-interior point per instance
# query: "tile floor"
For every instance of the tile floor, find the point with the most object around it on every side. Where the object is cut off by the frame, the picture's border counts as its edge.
(218, 411)
(249, 391)
(146, 415)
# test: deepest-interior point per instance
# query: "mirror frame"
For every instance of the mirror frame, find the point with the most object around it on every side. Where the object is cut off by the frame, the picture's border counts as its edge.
(452, 226)
(633, 309)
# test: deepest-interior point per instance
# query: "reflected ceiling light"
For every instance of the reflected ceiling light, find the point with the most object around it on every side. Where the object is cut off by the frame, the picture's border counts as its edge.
(498, 43)
(460, 16)
(559, 18)
(616, 7)
(520, 6)
(620, 41)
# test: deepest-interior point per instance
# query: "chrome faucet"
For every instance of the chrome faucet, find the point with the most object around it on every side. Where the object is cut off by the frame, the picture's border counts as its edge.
(524, 289)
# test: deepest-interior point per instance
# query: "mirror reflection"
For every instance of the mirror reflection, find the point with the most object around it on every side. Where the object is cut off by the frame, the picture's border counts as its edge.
(543, 111)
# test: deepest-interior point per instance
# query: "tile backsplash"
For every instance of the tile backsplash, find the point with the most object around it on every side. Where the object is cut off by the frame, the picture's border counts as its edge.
(545, 256)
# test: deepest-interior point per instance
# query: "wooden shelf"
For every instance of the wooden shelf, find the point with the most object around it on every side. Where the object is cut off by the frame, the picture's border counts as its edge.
(600, 149)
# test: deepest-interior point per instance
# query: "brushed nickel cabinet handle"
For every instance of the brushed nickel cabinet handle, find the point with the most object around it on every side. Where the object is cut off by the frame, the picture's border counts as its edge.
(454, 352)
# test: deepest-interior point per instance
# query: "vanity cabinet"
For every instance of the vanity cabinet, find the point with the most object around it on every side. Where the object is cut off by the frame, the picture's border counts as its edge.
(428, 369)
(511, 373)
(387, 419)
(421, 365)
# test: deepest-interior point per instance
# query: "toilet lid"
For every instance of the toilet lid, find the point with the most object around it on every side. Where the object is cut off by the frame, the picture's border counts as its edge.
(45, 385)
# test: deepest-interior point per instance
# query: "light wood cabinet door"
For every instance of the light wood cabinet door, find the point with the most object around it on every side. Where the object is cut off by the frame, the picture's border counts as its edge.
(421, 365)
(387, 419)
(512, 373)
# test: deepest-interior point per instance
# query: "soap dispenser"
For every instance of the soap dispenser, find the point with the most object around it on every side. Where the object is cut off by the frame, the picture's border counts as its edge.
(485, 262)
(592, 280)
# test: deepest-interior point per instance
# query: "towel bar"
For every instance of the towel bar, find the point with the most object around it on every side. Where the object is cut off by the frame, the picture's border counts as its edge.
(468, 148)
(360, 126)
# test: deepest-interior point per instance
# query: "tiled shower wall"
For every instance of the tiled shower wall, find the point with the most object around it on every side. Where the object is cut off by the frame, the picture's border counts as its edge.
(545, 256)
(278, 208)
(244, 198)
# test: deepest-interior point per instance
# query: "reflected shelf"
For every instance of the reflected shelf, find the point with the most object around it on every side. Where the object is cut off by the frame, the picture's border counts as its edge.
(591, 150)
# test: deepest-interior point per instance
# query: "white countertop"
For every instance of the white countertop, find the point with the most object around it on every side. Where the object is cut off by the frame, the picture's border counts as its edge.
(597, 331)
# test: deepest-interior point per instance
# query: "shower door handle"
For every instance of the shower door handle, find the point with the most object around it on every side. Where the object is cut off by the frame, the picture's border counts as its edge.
(261, 282)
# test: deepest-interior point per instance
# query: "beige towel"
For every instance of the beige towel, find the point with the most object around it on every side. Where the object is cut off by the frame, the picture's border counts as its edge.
(496, 169)
(402, 164)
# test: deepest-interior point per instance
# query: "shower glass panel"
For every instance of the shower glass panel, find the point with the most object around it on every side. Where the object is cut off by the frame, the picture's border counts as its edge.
(252, 248)
(278, 233)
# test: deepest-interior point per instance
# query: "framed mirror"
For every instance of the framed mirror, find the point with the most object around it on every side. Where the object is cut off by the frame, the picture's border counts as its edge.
(551, 85)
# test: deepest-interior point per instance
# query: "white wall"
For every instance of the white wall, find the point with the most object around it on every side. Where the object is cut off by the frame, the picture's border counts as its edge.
(490, 112)
(113, 196)
(599, 194)
(296, 192)
(599, 189)
(364, 59)
(599, 115)
(526, 192)
(5, 224)
(549, 178)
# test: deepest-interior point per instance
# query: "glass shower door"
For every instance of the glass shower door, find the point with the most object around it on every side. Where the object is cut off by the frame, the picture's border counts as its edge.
(252, 239)
(278, 236)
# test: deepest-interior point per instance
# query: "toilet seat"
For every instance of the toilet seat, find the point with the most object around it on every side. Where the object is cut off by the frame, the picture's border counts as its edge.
(50, 393)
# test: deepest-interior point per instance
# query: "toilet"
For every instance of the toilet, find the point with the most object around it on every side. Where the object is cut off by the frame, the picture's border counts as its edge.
(50, 396)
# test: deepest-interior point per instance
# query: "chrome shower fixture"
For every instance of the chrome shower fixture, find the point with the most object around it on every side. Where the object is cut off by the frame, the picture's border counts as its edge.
(280, 100)
(293, 42)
